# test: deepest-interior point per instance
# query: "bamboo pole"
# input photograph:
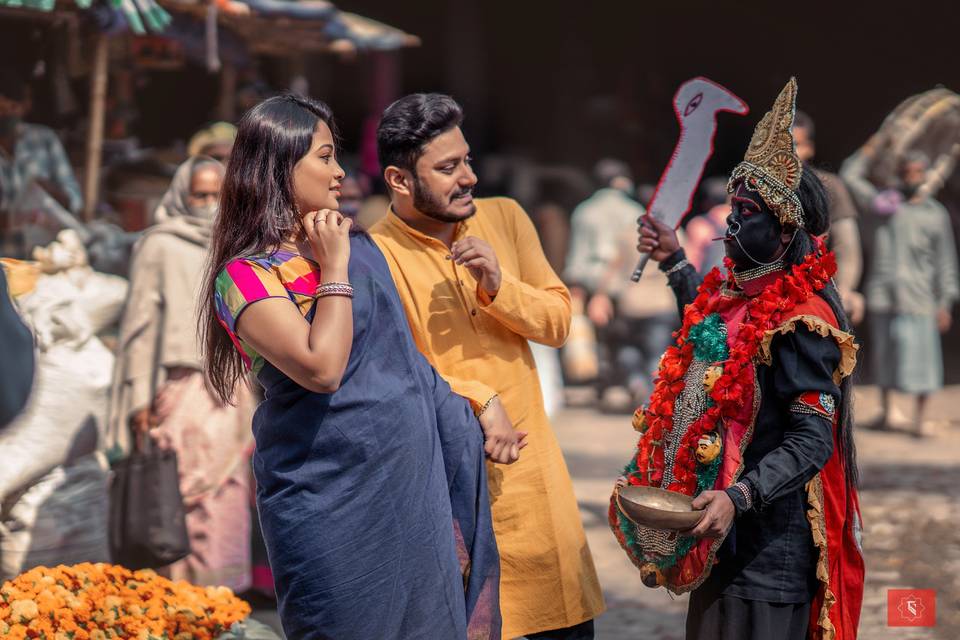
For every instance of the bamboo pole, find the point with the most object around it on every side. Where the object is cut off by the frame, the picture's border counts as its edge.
(98, 100)
(227, 99)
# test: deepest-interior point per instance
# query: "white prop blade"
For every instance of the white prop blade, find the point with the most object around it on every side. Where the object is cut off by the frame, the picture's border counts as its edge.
(696, 103)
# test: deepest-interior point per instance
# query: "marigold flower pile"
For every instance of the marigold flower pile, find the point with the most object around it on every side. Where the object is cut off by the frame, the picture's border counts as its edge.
(101, 601)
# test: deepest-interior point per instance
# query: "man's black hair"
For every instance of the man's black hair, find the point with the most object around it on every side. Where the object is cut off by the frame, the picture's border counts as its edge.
(410, 123)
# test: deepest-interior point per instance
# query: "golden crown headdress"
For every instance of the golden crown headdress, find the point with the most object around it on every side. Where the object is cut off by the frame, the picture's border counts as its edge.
(771, 166)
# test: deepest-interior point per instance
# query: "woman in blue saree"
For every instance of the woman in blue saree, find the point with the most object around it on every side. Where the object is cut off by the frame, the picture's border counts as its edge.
(371, 483)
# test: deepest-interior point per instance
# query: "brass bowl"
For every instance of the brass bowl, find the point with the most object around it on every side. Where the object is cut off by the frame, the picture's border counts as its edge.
(658, 508)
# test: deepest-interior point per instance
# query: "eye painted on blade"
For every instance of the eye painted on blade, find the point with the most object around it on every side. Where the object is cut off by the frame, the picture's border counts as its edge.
(693, 104)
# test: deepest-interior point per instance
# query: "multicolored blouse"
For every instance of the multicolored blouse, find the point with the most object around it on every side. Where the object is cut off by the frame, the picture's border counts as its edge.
(243, 281)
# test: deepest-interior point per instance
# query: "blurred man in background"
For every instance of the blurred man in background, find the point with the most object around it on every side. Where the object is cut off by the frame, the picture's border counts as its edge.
(30, 153)
(636, 321)
(912, 286)
(599, 225)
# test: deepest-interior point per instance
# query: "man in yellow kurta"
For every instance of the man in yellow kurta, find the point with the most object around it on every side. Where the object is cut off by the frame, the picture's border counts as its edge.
(476, 287)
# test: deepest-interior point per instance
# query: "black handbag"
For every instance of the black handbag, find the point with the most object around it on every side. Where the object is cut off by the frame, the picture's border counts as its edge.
(148, 527)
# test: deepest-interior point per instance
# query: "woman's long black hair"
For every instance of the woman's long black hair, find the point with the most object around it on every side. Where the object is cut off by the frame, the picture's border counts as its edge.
(816, 213)
(257, 211)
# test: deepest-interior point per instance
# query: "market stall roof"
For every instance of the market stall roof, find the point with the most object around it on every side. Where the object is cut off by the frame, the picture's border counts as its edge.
(277, 27)
(282, 27)
(369, 34)
(266, 26)
(138, 16)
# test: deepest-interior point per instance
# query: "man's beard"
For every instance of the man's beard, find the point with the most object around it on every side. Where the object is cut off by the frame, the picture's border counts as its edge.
(434, 206)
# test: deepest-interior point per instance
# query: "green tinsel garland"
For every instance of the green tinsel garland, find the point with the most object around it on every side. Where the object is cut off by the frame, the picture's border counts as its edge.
(709, 339)
(707, 475)
(628, 528)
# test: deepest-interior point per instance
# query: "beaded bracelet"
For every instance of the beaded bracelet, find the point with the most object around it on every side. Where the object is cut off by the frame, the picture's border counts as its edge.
(334, 289)
(745, 492)
(677, 267)
(486, 405)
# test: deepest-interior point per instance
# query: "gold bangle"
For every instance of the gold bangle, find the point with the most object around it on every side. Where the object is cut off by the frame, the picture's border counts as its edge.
(486, 405)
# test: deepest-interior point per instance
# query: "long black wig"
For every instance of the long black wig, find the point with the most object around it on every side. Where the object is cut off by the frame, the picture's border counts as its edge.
(816, 213)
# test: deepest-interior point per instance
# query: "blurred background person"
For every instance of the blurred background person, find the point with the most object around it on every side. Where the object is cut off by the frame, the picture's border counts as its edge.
(551, 217)
(597, 229)
(703, 250)
(912, 286)
(645, 193)
(844, 237)
(357, 198)
(597, 225)
(215, 141)
(354, 190)
(30, 153)
(636, 320)
(159, 386)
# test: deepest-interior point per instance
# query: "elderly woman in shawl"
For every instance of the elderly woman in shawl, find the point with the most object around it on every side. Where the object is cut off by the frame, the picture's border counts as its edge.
(159, 385)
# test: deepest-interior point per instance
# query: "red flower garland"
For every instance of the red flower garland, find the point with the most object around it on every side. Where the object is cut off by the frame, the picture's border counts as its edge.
(764, 312)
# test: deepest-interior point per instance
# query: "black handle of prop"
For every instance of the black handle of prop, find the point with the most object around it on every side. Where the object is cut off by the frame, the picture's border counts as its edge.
(644, 258)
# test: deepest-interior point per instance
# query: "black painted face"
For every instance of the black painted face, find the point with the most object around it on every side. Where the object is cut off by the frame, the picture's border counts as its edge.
(758, 230)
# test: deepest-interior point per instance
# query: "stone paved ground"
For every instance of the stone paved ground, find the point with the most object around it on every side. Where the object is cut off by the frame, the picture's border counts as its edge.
(910, 499)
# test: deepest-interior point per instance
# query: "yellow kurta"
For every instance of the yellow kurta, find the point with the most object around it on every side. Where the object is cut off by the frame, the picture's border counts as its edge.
(548, 580)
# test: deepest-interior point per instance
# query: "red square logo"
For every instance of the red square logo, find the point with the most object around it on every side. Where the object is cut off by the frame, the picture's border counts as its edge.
(911, 608)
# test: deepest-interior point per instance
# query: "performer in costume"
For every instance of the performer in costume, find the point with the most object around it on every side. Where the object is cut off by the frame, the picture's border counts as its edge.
(751, 414)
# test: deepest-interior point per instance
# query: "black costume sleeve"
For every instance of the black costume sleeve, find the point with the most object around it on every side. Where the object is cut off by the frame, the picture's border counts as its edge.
(684, 281)
(16, 345)
(803, 362)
